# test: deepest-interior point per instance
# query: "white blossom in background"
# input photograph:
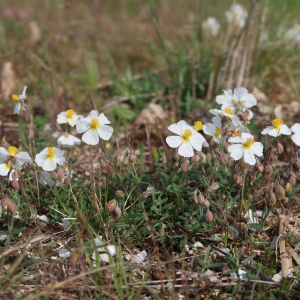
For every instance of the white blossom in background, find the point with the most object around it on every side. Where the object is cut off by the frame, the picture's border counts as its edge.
(67, 141)
(19, 99)
(5, 168)
(277, 129)
(46, 179)
(186, 140)
(211, 26)
(214, 129)
(12, 153)
(93, 127)
(245, 146)
(68, 117)
(237, 15)
(296, 136)
(49, 158)
(293, 34)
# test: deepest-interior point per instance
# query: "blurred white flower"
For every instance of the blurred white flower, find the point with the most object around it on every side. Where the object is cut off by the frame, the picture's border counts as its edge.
(277, 129)
(49, 158)
(67, 140)
(94, 126)
(187, 140)
(19, 99)
(296, 136)
(5, 168)
(214, 129)
(293, 34)
(246, 147)
(12, 153)
(211, 26)
(69, 117)
(46, 179)
(239, 99)
(236, 15)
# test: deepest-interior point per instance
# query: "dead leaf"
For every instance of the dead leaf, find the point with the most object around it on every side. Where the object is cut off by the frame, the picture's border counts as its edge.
(150, 114)
(35, 32)
(8, 80)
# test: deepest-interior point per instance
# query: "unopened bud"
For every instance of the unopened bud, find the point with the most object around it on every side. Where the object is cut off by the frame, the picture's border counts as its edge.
(125, 161)
(202, 157)
(296, 165)
(121, 158)
(176, 156)
(133, 157)
(286, 200)
(223, 159)
(226, 147)
(110, 170)
(279, 192)
(292, 178)
(271, 198)
(119, 194)
(68, 180)
(15, 175)
(280, 148)
(60, 174)
(206, 203)
(242, 164)
(213, 187)
(111, 205)
(8, 205)
(273, 155)
(195, 158)
(15, 184)
(252, 177)
(209, 216)
(185, 167)
(259, 167)
(117, 212)
(66, 168)
(103, 163)
(268, 169)
(288, 187)
(238, 179)
(199, 199)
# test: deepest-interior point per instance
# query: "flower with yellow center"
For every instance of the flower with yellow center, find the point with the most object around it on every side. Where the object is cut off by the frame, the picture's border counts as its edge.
(49, 158)
(93, 127)
(198, 125)
(186, 140)
(214, 129)
(12, 153)
(245, 146)
(277, 129)
(5, 168)
(19, 99)
(68, 117)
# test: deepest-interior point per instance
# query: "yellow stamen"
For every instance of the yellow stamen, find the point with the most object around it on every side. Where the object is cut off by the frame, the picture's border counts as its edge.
(12, 150)
(218, 132)
(249, 142)
(237, 133)
(51, 153)
(95, 124)
(198, 125)
(15, 97)
(277, 123)
(229, 111)
(70, 113)
(186, 135)
(7, 166)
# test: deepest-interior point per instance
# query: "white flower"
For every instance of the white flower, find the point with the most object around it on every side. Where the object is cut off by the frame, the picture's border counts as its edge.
(239, 99)
(19, 99)
(296, 136)
(277, 129)
(67, 140)
(293, 34)
(94, 126)
(46, 179)
(214, 129)
(49, 157)
(236, 15)
(211, 26)
(187, 140)
(4, 168)
(69, 117)
(12, 152)
(245, 146)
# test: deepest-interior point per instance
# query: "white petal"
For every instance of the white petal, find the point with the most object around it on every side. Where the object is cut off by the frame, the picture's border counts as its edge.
(186, 150)
(236, 139)
(49, 165)
(46, 179)
(175, 128)
(74, 120)
(103, 120)
(58, 152)
(209, 129)
(94, 114)
(82, 125)
(174, 141)
(91, 137)
(296, 128)
(250, 101)
(196, 141)
(105, 132)
(249, 157)
(3, 170)
(62, 118)
(267, 130)
(17, 108)
(236, 151)
(296, 138)
(285, 130)
(257, 149)
(61, 161)
(246, 136)
(4, 154)
(22, 157)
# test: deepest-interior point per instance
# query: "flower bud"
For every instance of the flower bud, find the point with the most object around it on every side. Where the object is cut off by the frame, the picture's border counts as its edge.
(259, 167)
(68, 180)
(185, 167)
(226, 147)
(252, 177)
(117, 212)
(133, 157)
(195, 158)
(15, 184)
(213, 187)
(238, 179)
(268, 169)
(125, 161)
(111, 205)
(296, 165)
(288, 187)
(121, 158)
(279, 192)
(202, 157)
(176, 156)
(110, 170)
(242, 164)
(119, 194)
(209, 216)
(273, 155)
(286, 200)
(223, 159)
(103, 163)
(66, 169)
(280, 148)
(292, 178)
(15, 175)
(60, 174)
(201, 199)
(206, 203)
(8, 205)
(271, 198)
